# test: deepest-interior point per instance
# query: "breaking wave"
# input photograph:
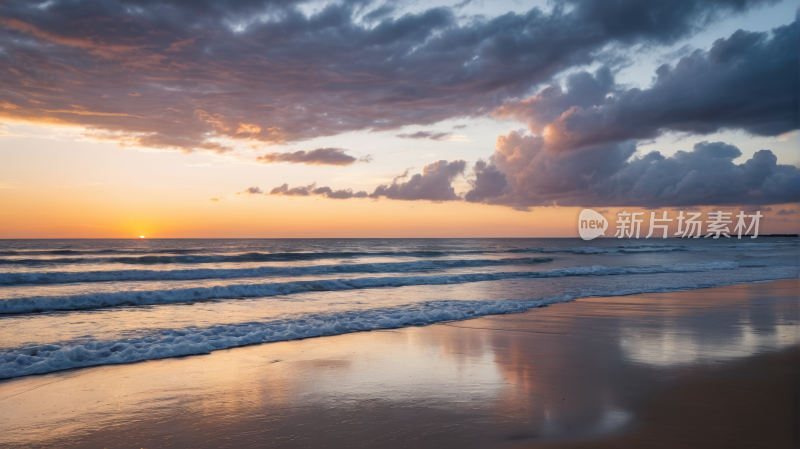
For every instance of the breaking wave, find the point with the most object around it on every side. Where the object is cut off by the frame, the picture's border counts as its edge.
(135, 298)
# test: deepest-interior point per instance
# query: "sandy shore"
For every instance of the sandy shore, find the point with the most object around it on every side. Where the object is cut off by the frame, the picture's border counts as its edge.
(753, 403)
(703, 368)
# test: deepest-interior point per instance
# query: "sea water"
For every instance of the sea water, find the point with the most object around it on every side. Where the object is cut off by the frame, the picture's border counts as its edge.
(78, 303)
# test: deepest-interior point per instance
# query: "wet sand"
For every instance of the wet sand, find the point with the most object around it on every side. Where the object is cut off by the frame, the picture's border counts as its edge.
(754, 403)
(702, 368)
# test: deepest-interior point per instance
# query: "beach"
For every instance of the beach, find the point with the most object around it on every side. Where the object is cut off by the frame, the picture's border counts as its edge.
(552, 224)
(714, 367)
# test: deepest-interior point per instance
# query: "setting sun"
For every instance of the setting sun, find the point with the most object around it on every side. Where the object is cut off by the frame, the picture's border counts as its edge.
(141, 236)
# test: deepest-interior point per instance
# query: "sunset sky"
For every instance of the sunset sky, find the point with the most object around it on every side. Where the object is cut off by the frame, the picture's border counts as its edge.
(391, 119)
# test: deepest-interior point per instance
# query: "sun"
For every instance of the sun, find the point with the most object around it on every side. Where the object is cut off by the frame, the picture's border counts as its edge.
(141, 236)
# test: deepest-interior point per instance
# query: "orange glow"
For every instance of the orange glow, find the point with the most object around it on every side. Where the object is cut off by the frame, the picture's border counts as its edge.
(78, 189)
(100, 213)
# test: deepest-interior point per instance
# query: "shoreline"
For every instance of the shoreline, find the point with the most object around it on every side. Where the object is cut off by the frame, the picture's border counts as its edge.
(501, 308)
(563, 375)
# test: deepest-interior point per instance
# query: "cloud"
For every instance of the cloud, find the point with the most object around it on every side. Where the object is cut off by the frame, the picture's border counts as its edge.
(403, 175)
(312, 189)
(779, 220)
(753, 208)
(433, 184)
(747, 81)
(583, 151)
(425, 135)
(536, 176)
(269, 72)
(583, 90)
(489, 182)
(339, 194)
(608, 175)
(158, 141)
(294, 191)
(786, 212)
(705, 176)
(523, 173)
(320, 156)
(251, 191)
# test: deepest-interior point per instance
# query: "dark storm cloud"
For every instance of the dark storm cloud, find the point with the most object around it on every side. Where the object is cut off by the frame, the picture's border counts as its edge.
(425, 135)
(320, 156)
(180, 74)
(748, 81)
(524, 174)
(433, 184)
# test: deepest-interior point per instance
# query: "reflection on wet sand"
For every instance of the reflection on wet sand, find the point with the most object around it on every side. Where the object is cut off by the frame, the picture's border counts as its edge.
(567, 372)
(730, 324)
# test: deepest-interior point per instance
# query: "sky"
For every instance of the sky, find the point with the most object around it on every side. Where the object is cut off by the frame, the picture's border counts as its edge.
(183, 119)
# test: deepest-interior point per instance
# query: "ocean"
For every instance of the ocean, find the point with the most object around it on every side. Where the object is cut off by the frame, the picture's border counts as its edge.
(68, 304)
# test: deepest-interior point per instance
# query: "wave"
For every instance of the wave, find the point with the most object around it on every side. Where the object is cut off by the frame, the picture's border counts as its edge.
(194, 256)
(79, 252)
(62, 277)
(223, 258)
(137, 298)
(666, 248)
(618, 249)
(47, 358)
(172, 343)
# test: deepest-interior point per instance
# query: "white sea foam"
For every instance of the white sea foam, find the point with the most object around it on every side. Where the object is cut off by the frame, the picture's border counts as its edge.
(45, 358)
(172, 343)
(98, 300)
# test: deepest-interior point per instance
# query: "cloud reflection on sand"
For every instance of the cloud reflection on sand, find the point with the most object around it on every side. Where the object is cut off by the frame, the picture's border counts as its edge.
(673, 345)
